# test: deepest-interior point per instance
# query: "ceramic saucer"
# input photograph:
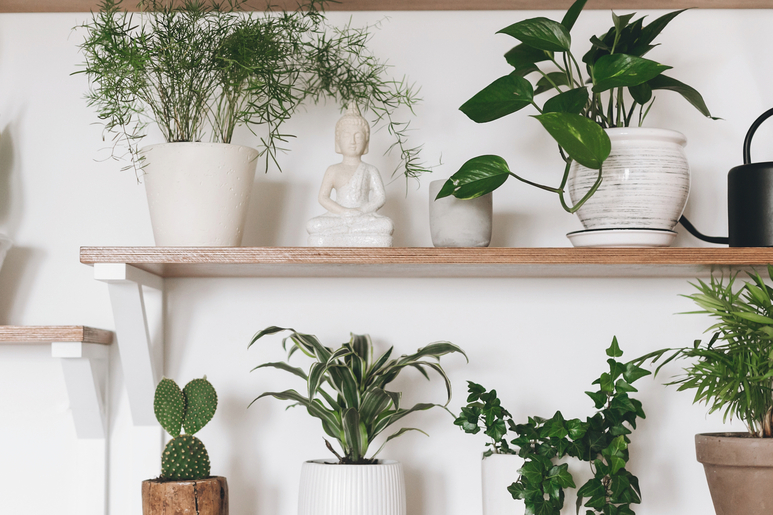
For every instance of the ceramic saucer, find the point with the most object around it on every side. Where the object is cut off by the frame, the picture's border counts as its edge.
(622, 238)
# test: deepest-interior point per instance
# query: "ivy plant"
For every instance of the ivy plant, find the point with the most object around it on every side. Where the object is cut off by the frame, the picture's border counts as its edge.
(601, 440)
(346, 388)
(616, 90)
(484, 411)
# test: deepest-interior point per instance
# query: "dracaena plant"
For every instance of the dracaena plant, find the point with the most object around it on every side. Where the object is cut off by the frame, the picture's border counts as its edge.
(732, 371)
(601, 441)
(615, 90)
(347, 388)
(197, 69)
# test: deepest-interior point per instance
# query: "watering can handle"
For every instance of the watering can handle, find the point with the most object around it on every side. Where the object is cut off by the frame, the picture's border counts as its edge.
(747, 142)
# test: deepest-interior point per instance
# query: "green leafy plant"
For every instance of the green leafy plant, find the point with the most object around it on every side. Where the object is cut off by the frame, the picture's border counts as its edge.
(732, 372)
(620, 82)
(194, 67)
(601, 441)
(484, 411)
(191, 408)
(347, 388)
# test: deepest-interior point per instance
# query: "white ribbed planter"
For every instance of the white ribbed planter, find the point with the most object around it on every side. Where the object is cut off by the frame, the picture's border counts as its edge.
(328, 488)
(198, 193)
(5, 244)
(646, 181)
(499, 471)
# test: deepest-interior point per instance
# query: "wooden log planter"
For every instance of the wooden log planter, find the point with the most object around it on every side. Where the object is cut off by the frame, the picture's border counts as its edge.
(193, 497)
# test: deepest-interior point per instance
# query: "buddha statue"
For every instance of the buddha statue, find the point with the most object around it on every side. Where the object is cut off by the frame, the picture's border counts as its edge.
(351, 219)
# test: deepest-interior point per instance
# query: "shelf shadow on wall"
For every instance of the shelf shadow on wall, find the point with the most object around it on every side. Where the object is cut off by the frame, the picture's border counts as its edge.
(15, 282)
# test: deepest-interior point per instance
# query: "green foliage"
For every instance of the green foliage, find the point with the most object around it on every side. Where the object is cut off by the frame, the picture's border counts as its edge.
(732, 371)
(347, 387)
(619, 82)
(601, 441)
(184, 457)
(194, 67)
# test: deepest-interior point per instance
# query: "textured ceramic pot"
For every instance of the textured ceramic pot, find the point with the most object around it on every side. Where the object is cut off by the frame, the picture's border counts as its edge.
(198, 193)
(645, 182)
(200, 497)
(5, 245)
(499, 471)
(328, 488)
(739, 470)
(459, 223)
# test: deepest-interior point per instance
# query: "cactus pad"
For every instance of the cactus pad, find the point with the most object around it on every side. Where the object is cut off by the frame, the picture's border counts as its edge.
(200, 404)
(184, 458)
(169, 406)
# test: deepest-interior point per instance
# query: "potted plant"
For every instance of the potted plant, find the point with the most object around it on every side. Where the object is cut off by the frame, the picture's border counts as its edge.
(601, 440)
(347, 392)
(197, 70)
(613, 171)
(185, 485)
(732, 372)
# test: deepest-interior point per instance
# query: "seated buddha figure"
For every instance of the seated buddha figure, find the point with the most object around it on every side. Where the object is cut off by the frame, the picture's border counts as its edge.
(351, 219)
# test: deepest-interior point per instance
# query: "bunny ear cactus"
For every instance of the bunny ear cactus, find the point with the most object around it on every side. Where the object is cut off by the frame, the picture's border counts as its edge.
(347, 388)
(191, 408)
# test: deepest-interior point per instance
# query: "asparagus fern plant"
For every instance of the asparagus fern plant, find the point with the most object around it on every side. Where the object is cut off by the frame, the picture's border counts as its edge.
(346, 388)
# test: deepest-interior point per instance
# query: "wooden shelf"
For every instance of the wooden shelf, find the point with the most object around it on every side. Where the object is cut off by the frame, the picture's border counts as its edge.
(428, 261)
(54, 333)
(414, 5)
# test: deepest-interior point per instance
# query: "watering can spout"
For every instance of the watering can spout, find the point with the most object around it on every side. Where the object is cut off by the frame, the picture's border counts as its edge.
(721, 240)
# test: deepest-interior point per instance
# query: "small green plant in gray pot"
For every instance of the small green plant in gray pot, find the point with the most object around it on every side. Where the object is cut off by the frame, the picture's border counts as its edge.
(601, 440)
(591, 111)
(347, 389)
(185, 484)
(732, 373)
(198, 70)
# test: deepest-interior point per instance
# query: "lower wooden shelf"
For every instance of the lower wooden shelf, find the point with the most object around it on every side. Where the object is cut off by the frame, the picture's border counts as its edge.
(54, 333)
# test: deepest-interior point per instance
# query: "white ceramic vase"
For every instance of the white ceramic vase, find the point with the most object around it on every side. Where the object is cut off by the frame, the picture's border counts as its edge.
(5, 244)
(459, 223)
(328, 488)
(499, 471)
(198, 193)
(645, 182)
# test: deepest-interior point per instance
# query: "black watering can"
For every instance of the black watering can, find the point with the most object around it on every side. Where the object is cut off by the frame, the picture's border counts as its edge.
(749, 200)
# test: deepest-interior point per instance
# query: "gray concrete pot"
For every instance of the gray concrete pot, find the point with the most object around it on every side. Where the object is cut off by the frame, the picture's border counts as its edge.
(739, 470)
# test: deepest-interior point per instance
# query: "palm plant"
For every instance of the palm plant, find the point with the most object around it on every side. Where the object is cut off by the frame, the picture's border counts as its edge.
(733, 371)
(199, 68)
(347, 388)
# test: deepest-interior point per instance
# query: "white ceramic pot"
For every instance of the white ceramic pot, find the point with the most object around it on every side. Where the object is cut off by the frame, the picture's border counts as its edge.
(645, 182)
(459, 223)
(499, 471)
(198, 193)
(328, 488)
(5, 244)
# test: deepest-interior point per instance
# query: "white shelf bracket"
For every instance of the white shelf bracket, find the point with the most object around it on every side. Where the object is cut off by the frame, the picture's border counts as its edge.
(142, 356)
(85, 367)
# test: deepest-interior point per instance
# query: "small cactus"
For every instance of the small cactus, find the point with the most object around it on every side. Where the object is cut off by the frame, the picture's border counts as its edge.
(184, 457)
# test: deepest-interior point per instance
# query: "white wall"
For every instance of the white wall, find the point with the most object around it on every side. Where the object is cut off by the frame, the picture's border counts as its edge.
(538, 342)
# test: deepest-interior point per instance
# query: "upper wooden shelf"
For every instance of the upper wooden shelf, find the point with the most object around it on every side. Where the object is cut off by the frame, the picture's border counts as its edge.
(54, 333)
(428, 261)
(415, 5)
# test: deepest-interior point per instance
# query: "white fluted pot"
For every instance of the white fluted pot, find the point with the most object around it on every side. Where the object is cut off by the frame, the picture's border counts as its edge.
(198, 193)
(645, 182)
(5, 245)
(328, 488)
(499, 471)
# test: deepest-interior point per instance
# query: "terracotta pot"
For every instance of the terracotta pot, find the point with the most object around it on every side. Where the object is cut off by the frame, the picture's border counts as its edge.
(739, 470)
(195, 497)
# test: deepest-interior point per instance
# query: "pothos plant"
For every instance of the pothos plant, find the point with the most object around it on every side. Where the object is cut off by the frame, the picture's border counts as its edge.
(346, 388)
(200, 68)
(601, 440)
(732, 371)
(616, 90)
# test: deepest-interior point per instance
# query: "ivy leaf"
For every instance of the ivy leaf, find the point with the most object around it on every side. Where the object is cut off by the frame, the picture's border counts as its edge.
(583, 139)
(478, 176)
(504, 96)
(633, 372)
(541, 33)
(599, 398)
(622, 70)
(532, 471)
(614, 349)
(562, 476)
(576, 428)
(622, 386)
